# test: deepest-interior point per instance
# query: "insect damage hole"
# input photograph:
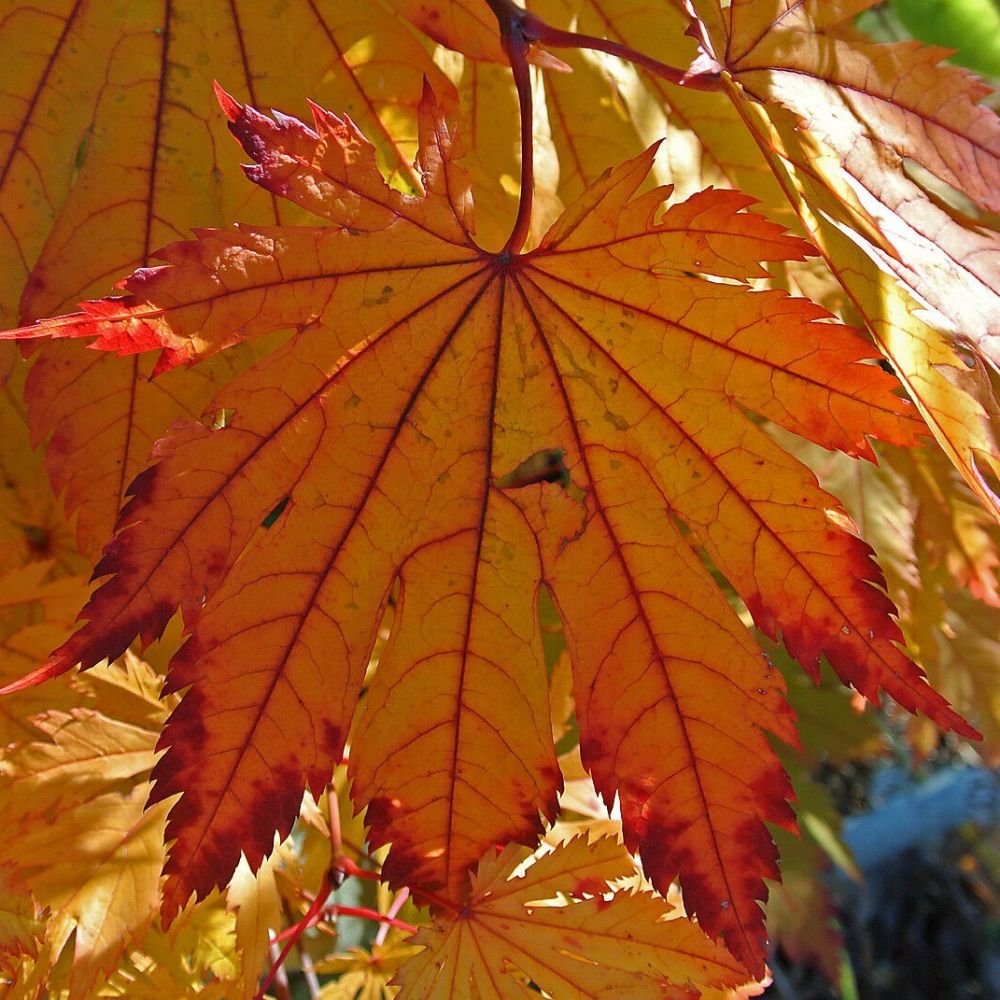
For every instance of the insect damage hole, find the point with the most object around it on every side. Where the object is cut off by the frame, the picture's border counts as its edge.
(545, 466)
(549, 466)
(276, 512)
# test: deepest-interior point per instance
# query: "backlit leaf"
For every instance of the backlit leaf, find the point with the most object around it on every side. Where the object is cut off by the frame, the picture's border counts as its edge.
(32, 525)
(35, 611)
(364, 975)
(120, 846)
(874, 139)
(941, 552)
(255, 900)
(86, 752)
(74, 830)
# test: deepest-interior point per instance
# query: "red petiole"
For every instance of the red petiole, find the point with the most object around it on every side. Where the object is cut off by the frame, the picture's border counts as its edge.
(338, 910)
(519, 30)
(294, 933)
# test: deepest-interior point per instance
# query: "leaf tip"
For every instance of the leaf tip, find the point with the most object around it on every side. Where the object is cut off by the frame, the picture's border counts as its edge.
(230, 106)
(427, 96)
(52, 667)
(960, 727)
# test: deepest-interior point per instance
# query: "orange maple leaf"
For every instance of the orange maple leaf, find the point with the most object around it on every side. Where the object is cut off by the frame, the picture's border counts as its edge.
(389, 440)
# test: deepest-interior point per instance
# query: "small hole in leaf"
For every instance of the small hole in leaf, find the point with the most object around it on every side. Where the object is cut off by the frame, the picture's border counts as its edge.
(222, 418)
(275, 514)
(545, 466)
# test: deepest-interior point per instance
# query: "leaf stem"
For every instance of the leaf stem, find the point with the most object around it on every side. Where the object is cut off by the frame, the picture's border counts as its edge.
(517, 42)
(554, 37)
(348, 866)
(341, 910)
(519, 30)
(364, 913)
(534, 30)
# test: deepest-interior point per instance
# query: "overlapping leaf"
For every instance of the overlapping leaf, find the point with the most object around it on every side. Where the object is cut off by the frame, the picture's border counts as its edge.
(21, 928)
(393, 438)
(367, 974)
(876, 107)
(83, 857)
(606, 109)
(32, 526)
(103, 122)
(869, 111)
(35, 612)
(940, 551)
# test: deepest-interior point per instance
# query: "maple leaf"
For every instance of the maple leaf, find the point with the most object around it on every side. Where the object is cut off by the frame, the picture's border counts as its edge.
(368, 974)
(390, 438)
(559, 924)
(464, 25)
(877, 106)
(195, 959)
(839, 120)
(86, 753)
(35, 613)
(32, 527)
(603, 109)
(257, 904)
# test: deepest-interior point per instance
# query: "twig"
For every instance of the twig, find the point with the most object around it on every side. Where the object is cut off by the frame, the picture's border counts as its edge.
(344, 865)
(536, 31)
(293, 933)
(681, 78)
(394, 907)
(338, 909)
(519, 30)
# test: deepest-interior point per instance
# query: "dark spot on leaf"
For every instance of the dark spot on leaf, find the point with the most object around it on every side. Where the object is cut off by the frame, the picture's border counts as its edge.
(331, 740)
(38, 540)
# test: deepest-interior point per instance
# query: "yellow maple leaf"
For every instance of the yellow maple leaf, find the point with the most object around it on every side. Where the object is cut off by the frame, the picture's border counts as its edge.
(559, 923)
